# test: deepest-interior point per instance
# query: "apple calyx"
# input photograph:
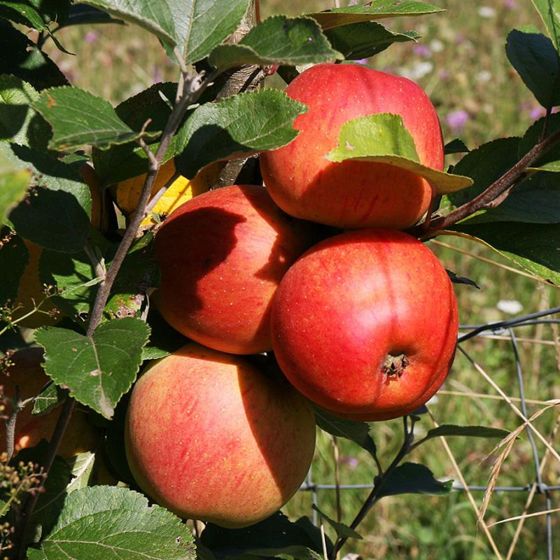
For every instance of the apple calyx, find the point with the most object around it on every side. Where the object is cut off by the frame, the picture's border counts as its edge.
(395, 365)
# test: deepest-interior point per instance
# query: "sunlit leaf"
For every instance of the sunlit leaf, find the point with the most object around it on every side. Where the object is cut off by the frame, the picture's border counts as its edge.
(383, 138)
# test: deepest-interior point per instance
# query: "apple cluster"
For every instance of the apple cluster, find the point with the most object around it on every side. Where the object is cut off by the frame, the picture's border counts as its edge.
(360, 317)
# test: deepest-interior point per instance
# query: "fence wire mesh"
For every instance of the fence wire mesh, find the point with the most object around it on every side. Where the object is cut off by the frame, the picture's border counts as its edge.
(537, 485)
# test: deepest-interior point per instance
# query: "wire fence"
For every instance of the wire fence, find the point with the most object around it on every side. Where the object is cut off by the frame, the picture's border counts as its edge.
(537, 485)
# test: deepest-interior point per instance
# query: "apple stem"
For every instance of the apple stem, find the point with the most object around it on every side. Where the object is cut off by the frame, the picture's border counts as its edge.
(379, 481)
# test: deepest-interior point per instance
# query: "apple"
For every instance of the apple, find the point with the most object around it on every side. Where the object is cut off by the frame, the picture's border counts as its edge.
(365, 324)
(352, 194)
(26, 373)
(221, 256)
(214, 437)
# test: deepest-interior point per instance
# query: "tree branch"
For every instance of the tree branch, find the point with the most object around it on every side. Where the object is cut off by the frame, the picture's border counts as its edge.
(496, 193)
(189, 90)
(379, 481)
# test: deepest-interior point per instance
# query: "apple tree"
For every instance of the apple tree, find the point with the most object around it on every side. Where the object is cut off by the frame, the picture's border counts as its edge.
(78, 267)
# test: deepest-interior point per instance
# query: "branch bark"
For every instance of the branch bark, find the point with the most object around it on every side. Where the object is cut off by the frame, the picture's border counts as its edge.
(374, 496)
(497, 192)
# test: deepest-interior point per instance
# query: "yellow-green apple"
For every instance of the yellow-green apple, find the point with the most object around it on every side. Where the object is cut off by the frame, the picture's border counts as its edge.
(25, 373)
(365, 324)
(221, 256)
(213, 437)
(352, 194)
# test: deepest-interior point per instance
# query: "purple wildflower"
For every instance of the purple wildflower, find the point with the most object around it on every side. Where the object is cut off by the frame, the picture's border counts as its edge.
(456, 120)
(91, 37)
(422, 50)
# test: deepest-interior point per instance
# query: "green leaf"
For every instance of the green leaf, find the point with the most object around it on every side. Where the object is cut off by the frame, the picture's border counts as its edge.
(484, 165)
(22, 12)
(115, 524)
(383, 138)
(138, 275)
(446, 430)
(534, 200)
(13, 187)
(456, 146)
(240, 125)
(56, 214)
(534, 247)
(50, 501)
(549, 10)
(277, 40)
(156, 17)
(204, 24)
(375, 135)
(275, 536)
(97, 370)
(365, 39)
(358, 432)
(13, 260)
(52, 11)
(413, 478)
(16, 97)
(50, 397)
(26, 60)
(79, 118)
(534, 135)
(551, 167)
(153, 353)
(380, 10)
(341, 530)
(80, 14)
(196, 27)
(120, 162)
(537, 62)
(82, 470)
(164, 339)
(73, 276)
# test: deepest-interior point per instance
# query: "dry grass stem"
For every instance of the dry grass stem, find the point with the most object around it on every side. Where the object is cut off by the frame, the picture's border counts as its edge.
(469, 494)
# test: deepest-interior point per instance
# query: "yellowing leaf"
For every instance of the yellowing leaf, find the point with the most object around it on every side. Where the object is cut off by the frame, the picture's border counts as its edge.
(128, 192)
(178, 190)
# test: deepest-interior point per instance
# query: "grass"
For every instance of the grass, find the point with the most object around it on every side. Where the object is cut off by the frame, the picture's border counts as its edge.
(461, 62)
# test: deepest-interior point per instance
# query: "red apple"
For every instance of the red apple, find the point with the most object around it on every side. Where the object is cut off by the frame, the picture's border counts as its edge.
(352, 194)
(222, 255)
(365, 324)
(212, 437)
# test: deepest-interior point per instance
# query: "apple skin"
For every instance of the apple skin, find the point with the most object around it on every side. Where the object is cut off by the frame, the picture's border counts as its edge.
(352, 302)
(212, 437)
(221, 256)
(27, 373)
(352, 194)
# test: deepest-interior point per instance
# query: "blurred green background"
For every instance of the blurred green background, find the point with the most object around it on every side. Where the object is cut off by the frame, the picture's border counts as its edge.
(460, 61)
